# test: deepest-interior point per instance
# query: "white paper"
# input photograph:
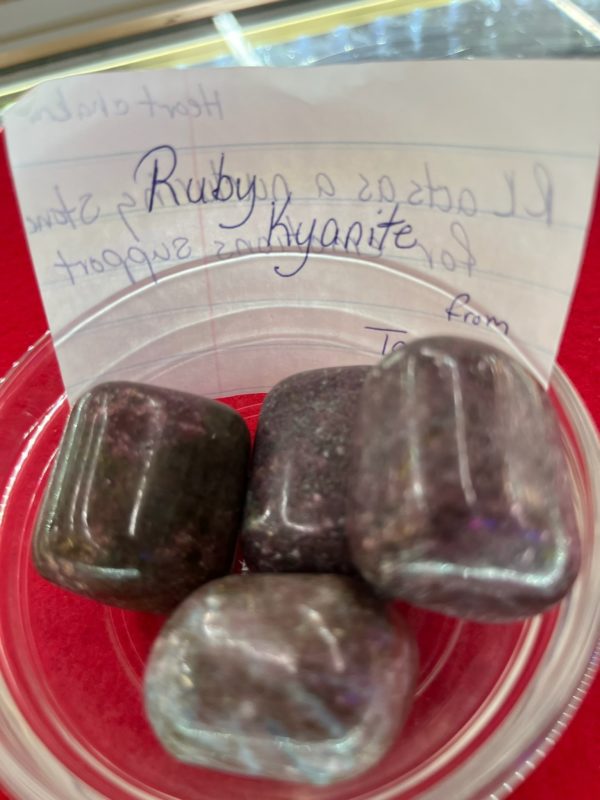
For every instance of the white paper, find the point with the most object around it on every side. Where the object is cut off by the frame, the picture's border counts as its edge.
(476, 176)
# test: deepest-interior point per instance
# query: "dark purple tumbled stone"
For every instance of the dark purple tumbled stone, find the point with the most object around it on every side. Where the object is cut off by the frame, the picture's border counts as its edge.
(145, 498)
(461, 497)
(293, 677)
(296, 507)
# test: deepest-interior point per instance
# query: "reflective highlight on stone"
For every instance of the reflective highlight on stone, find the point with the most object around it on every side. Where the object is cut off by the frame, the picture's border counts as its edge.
(146, 495)
(461, 500)
(296, 509)
(293, 677)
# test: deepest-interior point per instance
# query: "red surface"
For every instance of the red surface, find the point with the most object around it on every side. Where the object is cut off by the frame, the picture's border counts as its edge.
(573, 768)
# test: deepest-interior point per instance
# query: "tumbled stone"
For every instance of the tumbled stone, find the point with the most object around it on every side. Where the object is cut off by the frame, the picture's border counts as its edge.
(295, 515)
(145, 498)
(461, 498)
(293, 677)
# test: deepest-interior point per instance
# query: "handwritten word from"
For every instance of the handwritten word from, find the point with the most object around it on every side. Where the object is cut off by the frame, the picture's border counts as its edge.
(457, 311)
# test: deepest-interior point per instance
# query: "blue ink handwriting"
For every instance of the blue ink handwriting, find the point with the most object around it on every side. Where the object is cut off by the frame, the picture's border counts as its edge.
(175, 250)
(458, 312)
(331, 233)
(72, 214)
(221, 187)
(398, 340)
(198, 103)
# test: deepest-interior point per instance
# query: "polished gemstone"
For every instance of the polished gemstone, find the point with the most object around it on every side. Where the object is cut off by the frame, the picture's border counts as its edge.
(293, 677)
(146, 495)
(461, 499)
(296, 510)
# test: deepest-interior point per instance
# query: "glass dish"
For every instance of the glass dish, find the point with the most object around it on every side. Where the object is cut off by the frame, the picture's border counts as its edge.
(491, 700)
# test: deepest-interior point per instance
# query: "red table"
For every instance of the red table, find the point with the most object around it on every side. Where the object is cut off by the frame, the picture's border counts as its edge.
(573, 768)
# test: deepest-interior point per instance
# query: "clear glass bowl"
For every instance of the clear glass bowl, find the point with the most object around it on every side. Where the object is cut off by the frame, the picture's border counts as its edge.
(491, 700)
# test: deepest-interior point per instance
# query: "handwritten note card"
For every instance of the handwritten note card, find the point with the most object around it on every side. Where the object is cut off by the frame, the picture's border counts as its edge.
(474, 175)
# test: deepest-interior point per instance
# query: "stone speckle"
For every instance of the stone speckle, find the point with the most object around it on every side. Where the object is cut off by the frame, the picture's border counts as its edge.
(295, 512)
(292, 677)
(461, 499)
(145, 497)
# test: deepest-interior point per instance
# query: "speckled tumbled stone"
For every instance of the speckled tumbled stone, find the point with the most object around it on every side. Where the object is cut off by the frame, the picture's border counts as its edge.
(461, 498)
(145, 498)
(295, 515)
(293, 677)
